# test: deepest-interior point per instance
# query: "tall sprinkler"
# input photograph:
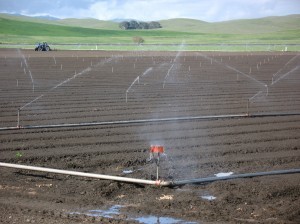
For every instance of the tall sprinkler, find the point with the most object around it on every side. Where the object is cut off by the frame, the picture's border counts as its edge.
(155, 152)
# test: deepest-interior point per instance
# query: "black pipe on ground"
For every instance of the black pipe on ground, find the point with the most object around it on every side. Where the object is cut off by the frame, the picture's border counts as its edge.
(208, 117)
(245, 175)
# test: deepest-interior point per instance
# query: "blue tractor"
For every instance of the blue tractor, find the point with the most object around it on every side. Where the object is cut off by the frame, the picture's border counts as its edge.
(42, 47)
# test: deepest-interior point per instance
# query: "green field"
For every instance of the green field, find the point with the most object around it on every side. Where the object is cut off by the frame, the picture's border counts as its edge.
(273, 32)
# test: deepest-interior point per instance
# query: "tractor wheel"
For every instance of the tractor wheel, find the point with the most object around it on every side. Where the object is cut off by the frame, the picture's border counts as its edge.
(47, 48)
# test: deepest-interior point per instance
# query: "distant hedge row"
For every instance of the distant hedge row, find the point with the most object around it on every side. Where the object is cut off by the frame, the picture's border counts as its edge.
(132, 25)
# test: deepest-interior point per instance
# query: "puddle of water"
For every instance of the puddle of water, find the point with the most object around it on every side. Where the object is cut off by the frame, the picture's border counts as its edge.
(110, 213)
(161, 220)
(223, 174)
(113, 211)
(208, 197)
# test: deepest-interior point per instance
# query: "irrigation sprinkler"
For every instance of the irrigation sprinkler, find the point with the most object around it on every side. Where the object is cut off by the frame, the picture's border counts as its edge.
(250, 71)
(60, 66)
(155, 153)
(31, 80)
(18, 119)
(248, 108)
(112, 69)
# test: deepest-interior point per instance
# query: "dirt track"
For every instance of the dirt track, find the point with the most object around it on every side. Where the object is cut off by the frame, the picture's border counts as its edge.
(90, 86)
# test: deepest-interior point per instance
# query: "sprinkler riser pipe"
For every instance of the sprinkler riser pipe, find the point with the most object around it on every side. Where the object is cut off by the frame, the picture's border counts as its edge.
(18, 122)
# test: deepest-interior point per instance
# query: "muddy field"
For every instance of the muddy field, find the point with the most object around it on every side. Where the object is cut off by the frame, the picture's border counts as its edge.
(72, 87)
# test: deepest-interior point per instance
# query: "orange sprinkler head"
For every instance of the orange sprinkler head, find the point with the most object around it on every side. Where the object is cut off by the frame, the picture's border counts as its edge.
(157, 149)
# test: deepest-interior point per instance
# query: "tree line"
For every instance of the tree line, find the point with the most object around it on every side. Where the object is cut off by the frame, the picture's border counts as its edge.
(132, 25)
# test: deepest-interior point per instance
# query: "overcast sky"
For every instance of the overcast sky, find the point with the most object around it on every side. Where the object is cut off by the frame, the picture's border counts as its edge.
(148, 10)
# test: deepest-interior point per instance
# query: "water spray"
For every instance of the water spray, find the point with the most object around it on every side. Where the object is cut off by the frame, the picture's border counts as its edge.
(66, 81)
(168, 73)
(232, 68)
(137, 79)
(284, 75)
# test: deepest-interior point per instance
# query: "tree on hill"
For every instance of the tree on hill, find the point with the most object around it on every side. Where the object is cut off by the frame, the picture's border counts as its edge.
(138, 40)
(154, 25)
(124, 25)
(132, 25)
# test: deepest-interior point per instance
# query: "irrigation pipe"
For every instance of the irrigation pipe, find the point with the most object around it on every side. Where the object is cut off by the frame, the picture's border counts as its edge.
(170, 119)
(82, 174)
(245, 175)
(148, 182)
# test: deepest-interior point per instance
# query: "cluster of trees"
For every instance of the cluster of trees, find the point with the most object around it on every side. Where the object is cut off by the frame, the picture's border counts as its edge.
(128, 25)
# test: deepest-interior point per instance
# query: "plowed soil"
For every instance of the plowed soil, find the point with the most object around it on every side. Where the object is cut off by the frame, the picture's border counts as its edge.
(64, 87)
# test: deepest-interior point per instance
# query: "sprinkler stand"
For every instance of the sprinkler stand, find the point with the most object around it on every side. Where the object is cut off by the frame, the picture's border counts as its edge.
(248, 107)
(155, 151)
(18, 122)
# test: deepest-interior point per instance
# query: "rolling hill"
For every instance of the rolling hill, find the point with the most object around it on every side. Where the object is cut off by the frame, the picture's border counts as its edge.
(269, 30)
(244, 26)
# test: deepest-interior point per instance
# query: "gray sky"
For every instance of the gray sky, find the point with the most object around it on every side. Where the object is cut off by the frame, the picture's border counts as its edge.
(147, 10)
